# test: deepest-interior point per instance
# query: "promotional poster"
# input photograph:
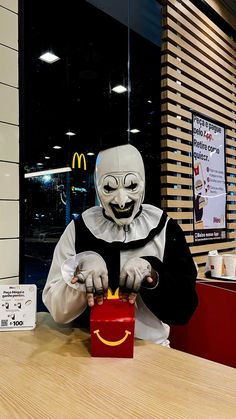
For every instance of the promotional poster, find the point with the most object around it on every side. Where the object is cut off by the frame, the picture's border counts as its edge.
(209, 183)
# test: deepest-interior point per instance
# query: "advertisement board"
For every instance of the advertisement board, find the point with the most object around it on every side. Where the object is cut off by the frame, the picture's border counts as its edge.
(209, 182)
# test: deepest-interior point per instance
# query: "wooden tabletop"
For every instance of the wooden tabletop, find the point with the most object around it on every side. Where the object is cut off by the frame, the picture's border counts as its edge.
(49, 373)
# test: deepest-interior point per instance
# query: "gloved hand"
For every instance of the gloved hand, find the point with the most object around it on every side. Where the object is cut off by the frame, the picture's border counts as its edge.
(134, 272)
(92, 272)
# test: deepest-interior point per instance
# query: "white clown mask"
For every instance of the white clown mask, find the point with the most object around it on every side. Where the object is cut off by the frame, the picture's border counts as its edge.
(120, 182)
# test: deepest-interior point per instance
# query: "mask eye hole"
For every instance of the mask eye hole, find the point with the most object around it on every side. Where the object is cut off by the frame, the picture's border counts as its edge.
(132, 186)
(109, 184)
(131, 182)
(107, 188)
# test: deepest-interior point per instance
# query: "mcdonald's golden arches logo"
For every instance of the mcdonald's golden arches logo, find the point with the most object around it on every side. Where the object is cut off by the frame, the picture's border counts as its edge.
(79, 157)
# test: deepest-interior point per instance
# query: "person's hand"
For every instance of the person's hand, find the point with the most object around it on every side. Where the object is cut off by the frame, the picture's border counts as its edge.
(134, 272)
(92, 272)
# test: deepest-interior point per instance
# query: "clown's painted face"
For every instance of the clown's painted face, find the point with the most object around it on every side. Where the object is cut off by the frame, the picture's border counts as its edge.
(120, 191)
(121, 196)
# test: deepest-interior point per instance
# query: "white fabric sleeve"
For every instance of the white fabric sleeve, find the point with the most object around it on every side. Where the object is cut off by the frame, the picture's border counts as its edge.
(64, 301)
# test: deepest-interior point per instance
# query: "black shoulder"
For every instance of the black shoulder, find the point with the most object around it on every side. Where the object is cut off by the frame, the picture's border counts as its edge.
(175, 233)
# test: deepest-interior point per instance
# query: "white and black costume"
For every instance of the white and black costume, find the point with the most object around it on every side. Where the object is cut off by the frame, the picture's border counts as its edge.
(149, 235)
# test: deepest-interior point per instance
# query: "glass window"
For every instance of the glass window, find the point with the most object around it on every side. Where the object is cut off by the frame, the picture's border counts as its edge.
(103, 86)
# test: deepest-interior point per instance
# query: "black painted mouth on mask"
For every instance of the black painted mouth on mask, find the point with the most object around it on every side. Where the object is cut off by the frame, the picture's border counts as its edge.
(125, 212)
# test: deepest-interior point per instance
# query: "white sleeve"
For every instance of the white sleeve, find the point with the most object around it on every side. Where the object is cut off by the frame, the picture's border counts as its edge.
(64, 301)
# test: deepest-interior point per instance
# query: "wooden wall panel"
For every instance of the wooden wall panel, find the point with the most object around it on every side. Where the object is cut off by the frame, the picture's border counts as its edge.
(198, 75)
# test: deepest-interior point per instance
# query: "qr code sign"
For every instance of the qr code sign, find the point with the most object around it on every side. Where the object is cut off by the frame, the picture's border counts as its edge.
(17, 307)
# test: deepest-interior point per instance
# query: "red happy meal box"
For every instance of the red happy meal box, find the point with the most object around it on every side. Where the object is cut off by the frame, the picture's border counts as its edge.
(112, 329)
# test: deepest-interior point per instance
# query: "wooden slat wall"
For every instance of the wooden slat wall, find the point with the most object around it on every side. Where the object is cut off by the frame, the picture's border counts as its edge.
(198, 75)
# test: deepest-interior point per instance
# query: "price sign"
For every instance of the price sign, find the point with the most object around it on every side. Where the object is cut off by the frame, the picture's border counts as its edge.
(17, 307)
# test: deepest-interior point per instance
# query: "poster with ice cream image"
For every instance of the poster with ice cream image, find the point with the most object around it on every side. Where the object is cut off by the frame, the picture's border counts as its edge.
(209, 182)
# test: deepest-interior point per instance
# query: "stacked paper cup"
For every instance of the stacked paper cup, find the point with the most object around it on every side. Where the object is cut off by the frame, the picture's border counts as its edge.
(216, 264)
(229, 264)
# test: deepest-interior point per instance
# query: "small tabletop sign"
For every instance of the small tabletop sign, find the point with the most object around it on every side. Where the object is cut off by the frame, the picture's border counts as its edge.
(17, 307)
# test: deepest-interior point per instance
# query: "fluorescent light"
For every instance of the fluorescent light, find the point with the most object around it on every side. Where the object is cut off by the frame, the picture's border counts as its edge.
(39, 164)
(119, 89)
(70, 133)
(49, 57)
(90, 153)
(47, 158)
(48, 172)
(134, 130)
(57, 147)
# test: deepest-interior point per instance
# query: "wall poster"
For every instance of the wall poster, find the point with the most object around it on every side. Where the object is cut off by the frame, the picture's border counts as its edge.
(209, 179)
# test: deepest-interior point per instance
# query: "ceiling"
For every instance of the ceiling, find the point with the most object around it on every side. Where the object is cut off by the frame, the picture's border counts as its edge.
(230, 5)
(220, 7)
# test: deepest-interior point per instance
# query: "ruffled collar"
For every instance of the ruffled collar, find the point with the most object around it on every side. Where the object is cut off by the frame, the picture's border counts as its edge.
(105, 229)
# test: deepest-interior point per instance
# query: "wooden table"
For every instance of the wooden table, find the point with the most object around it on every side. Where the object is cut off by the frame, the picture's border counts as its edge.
(49, 373)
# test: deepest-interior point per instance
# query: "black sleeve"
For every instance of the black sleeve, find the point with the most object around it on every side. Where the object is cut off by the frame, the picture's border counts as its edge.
(174, 300)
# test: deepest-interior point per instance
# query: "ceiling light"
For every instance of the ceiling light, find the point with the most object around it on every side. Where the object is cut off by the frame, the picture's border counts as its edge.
(48, 172)
(49, 57)
(57, 147)
(90, 153)
(70, 133)
(39, 164)
(47, 158)
(134, 130)
(119, 89)
(149, 101)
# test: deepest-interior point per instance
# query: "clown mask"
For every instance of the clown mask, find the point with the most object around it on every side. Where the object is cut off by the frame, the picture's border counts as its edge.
(120, 182)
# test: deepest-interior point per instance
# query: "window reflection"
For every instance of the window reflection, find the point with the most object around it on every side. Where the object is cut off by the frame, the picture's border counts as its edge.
(72, 106)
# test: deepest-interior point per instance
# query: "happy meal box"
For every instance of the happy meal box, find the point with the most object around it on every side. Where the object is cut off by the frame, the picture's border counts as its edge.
(112, 329)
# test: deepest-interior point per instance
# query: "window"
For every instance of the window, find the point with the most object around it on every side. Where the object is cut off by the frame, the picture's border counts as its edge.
(73, 105)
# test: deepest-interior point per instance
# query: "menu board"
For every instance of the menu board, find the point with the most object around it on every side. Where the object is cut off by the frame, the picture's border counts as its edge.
(209, 182)
(18, 307)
